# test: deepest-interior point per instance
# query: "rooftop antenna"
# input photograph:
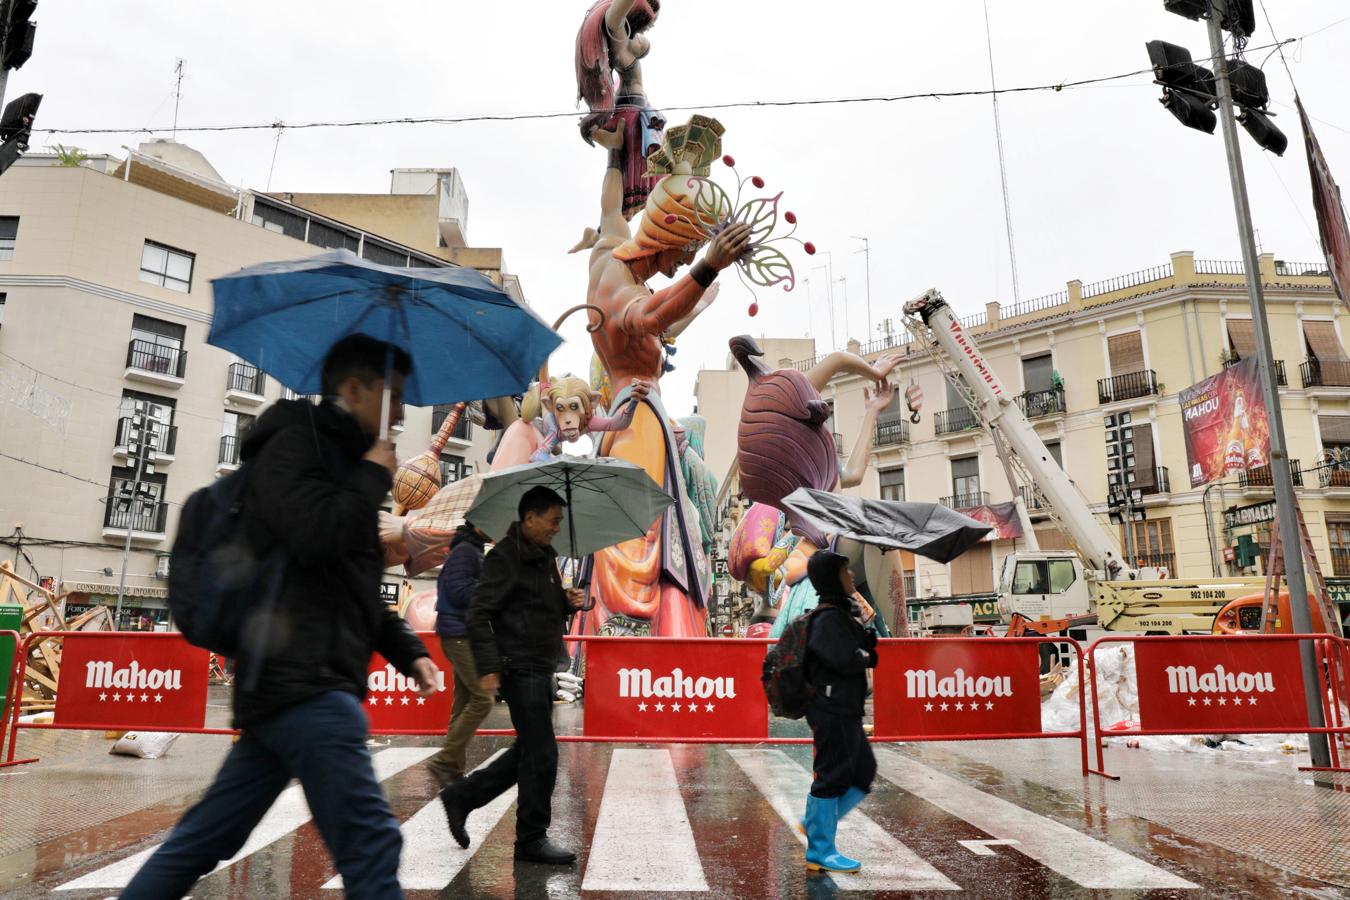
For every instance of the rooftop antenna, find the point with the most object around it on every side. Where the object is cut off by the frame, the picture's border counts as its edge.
(1002, 162)
(177, 93)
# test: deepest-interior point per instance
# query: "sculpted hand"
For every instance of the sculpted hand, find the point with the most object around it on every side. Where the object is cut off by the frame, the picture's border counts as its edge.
(490, 683)
(641, 389)
(886, 364)
(425, 674)
(610, 140)
(876, 403)
(728, 246)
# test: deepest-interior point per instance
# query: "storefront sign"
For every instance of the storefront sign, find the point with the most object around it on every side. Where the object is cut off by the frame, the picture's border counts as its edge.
(675, 689)
(1238, 516)
(1222, 686)
(938, 687)
(131, 681)
(392, 700)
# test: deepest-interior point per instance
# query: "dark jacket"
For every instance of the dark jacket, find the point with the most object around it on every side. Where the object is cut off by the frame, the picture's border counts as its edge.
(839, 649)
(519, 610)
(311, 495)
(459, 576)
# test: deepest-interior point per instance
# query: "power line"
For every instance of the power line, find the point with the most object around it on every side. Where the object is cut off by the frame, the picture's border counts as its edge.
(704, 107)
(28, 462)
(1002, 162)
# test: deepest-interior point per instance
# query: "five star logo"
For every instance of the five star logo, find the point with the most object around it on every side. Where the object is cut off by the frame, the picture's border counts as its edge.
(642, 707)
(674, 707)
(708, 706)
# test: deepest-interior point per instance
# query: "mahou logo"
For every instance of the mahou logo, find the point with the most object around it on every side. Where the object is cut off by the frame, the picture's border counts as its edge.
(100, 673)
(924, 683)
(390, 679)
(1185, 680)
(639, 683)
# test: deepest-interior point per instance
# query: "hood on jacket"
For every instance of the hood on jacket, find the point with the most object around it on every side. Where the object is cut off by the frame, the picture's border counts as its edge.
(823, 569)
(467, 532)
(327, 419)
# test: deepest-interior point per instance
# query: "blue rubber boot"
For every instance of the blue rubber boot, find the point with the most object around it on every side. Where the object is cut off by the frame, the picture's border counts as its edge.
(822, 820)
(849, 801)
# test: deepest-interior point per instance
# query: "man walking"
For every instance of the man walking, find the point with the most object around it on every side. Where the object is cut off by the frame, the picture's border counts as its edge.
(316, 479)
(455, 586)
(516, 622)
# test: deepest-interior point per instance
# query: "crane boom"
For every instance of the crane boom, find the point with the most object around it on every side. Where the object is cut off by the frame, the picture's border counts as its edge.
(997, 409)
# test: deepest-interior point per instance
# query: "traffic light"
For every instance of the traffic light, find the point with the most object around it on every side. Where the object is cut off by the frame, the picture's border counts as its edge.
(15, 124)
(16, 16)
(1263, 131)
(1188, 88)
(1239, 17)
(1190, 9)
(1251, 96)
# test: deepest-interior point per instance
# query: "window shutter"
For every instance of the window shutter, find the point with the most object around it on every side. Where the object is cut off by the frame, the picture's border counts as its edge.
(1335, 429)
(1322, 341)
(1143, 455)
(892, 477)
(1036, 372)
(1127, 352)
(972, 571)
(1051, 538)
(1242, 335)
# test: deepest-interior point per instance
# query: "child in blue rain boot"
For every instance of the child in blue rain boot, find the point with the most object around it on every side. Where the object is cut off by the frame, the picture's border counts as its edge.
(839, 651)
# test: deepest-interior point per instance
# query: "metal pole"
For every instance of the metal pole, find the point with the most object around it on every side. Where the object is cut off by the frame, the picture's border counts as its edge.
(136, 446)
(1285, 501)
(867, 274)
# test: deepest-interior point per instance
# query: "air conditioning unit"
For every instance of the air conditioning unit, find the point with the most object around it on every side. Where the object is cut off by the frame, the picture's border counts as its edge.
(162, 566)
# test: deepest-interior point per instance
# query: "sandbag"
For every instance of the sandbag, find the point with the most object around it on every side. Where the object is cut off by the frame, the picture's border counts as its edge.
(144, 744)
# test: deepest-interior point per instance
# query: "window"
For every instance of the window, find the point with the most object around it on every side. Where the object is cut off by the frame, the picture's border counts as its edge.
(1242, 338)
(1053, 447)
(892, 484)
(158, 409)
(973, 571)
(1053, 576)
(1126, 352)
(149, 512)
(954, 398)
(1153, 544)
(453, 468)
(9, 235)
(156, 345)
(1338, 532)
(233, 429)
(439, 412)
(1038, 373)
(322, 235)
(1062, 575)
(167, 267)
(383, 254)
(1335, 432)
(1322, 342)
(966, 480)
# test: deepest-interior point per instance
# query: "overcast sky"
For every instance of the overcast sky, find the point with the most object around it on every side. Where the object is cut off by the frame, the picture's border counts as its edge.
(1103, 180)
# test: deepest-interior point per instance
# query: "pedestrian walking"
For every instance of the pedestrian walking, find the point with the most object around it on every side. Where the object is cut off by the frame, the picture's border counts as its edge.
(839, 651)
(316, 476)
(516, 622)
(454, 588)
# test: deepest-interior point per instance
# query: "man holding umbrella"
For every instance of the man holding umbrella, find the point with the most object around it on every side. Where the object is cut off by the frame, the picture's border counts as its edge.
(516, 622)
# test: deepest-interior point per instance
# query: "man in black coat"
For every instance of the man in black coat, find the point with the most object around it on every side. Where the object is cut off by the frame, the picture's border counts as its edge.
(316, 476)
(517, 618)
(839, 651)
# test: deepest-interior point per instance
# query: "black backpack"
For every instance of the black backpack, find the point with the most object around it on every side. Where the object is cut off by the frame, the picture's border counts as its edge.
(784, 674)
(220, 592)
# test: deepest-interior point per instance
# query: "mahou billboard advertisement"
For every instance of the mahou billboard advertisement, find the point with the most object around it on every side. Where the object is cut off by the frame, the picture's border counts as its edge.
(1224, 419)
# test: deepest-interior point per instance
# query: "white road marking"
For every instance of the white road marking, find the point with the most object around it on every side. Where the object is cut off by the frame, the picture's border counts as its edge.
(288, 813)
(981, 848)
(643, 840)
(1084, 860)
(431, 859)
(888, 865)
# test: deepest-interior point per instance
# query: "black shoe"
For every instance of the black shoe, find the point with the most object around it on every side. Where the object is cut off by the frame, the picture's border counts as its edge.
(545, 851)
(456, 813)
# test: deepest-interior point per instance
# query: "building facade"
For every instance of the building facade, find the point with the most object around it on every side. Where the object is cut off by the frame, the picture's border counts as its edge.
(1116, 351)
(105, 304)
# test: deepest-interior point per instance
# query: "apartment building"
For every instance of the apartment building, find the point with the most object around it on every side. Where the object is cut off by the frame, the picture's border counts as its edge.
(105, 304)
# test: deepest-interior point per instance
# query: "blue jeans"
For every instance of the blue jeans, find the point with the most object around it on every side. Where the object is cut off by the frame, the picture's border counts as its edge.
(322, 742)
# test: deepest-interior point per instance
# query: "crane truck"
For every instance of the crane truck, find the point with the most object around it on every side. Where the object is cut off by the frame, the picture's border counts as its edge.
(1077, 593)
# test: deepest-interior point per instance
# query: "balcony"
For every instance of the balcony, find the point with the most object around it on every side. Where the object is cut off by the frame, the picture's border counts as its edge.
(1151, 482)
(954, 421)
(1130, 386)
(228, 459)
(163, 440)
(1255, 481)
(839, 447)
(966, 501)
(1037, 508)
(1038, 404)
(1335, 476)
(148, 523)
(245, 384)
(157, 364)
(1232, 359)
(1333, 373)
(892, 431)
(1165, 561)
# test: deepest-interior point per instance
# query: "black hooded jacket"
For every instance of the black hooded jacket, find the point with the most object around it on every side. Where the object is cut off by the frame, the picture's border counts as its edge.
(839, 650)
(310, 493)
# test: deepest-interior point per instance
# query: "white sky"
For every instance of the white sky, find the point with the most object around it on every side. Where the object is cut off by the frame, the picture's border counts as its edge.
(1103, 180)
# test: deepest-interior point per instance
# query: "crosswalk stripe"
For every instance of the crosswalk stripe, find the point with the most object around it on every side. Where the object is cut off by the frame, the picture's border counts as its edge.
(431, 859)
(1084, 860)
(888, 865)
(643, 840)
(288, 813)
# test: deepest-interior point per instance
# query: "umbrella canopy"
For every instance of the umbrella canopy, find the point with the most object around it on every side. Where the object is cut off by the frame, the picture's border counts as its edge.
(928, 529)
(608, 501)
(467, 338)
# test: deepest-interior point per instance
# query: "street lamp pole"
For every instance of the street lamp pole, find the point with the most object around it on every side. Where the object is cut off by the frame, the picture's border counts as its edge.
(1291, 545)
(137, 449)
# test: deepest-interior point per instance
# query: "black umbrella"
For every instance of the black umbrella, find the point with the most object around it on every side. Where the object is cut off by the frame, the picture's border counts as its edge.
(929, 529)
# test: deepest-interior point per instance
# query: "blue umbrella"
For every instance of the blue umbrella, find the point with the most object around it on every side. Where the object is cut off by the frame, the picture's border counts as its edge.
(467, 338)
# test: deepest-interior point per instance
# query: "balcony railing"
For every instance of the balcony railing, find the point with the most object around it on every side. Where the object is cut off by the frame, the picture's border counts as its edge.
(163, 437)
(1326, 373)
(1232, 359)
(1127, 386)
(1334, 476)
(229, 450)
(1031, 500)
(1035, 404)
(839, 447)
(950, 421)
(1340, 561)
(966, 501)
(1152, 481)
(1262, 478)
(158, 358)
(246, 379)
(892, 431)
(149, 518)
(1166, 561)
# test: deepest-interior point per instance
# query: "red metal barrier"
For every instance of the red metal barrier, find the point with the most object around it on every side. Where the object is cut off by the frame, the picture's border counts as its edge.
(1226, 684)
(13, 695)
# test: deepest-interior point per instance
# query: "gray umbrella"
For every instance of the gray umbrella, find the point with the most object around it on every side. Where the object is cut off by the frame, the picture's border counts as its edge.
(928, 529)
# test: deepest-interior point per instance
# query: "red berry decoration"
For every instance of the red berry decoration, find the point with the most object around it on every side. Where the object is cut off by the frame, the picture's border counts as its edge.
(810, 248)
(791, 217)
(671, 219)
(757, 181)
(754, 310)
(727, 160)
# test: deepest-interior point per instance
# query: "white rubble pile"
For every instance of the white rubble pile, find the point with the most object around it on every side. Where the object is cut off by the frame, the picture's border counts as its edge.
(569, 687)
(1119, 706)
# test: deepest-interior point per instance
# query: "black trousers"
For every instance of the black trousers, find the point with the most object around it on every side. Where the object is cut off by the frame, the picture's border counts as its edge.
(531, 763)
(843, 757)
